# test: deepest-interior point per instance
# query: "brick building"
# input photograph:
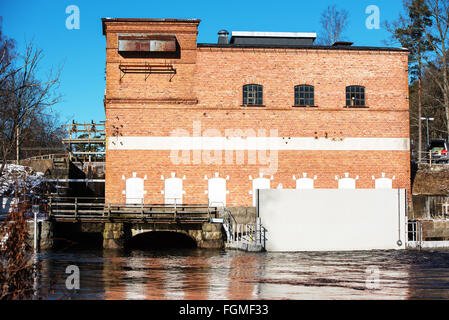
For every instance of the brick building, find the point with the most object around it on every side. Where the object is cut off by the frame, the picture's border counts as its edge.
(191, 122)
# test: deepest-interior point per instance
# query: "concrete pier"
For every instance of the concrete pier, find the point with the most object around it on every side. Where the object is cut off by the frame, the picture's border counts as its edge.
(114, 235)
(45, 234)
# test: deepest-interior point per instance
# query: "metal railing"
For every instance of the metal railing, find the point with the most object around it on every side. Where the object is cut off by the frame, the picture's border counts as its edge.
(85, 131)
(250, 233)
(228, 224)
(228, 219)
(236, 233)
(95, 209)
(47, 156)
(432, 158)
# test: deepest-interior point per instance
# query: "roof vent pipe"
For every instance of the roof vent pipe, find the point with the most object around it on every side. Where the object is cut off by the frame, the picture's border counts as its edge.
(223, 37)
(342, 44)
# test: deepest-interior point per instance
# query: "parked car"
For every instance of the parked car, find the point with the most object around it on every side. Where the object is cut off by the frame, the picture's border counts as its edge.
(438, 151)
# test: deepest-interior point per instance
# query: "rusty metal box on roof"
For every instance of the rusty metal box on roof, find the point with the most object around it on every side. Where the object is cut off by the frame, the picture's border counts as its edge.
(147, 43)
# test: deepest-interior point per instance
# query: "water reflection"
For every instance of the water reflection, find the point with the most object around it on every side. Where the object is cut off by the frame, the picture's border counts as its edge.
(242, 278)
(331, 276)
(209, 274)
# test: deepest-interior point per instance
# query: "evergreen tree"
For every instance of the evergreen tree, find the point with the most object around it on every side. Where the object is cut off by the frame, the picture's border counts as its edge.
(410, 32)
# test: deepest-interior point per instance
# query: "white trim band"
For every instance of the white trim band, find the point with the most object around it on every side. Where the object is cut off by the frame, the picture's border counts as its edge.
(258, 143)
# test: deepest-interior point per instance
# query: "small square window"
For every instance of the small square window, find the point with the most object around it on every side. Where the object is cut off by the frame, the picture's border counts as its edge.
(355, 96)
(252, 94)
(304, 95)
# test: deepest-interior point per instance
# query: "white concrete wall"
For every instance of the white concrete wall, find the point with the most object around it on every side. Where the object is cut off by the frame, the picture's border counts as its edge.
(333, 219)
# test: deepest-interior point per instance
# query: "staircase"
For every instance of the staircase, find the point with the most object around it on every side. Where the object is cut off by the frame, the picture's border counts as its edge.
(60, 163)
(246, 237)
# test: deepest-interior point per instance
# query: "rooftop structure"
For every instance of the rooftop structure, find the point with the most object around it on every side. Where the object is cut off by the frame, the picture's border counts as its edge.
(272, 38)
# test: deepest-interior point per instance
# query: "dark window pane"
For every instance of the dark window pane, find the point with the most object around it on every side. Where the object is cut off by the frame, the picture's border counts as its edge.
(252, 94)
(304, 95)
(355, 96)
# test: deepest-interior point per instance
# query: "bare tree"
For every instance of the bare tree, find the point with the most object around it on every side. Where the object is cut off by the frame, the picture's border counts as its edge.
(44, 135)
(432, 102)
(7, 56)
(333, 22)
(22, 98)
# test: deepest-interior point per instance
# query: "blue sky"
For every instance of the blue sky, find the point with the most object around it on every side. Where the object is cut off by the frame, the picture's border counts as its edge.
(82, 52)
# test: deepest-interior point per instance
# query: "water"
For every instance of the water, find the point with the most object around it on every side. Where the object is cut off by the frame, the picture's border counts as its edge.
(215, 274)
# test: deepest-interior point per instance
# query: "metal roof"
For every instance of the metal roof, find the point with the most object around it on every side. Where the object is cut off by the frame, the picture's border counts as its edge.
(273, 34)
(317, 47)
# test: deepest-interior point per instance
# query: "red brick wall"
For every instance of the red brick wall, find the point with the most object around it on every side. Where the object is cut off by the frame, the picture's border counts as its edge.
(214, 78)
(156, 86)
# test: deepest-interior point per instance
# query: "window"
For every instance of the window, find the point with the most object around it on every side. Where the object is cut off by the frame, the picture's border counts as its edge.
(304, 95)
(252, 94)
(355, 96)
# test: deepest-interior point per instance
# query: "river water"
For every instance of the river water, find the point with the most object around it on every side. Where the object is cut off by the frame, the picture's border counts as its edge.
(216, 274)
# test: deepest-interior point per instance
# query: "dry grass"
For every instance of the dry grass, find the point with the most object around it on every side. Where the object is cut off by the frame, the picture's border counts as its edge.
(17, 268)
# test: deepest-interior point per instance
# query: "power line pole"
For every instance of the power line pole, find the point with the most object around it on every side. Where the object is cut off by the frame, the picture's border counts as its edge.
(427, 128)
(420, 105)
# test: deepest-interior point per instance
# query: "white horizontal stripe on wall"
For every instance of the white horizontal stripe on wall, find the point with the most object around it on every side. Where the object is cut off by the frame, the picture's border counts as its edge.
(258, 143)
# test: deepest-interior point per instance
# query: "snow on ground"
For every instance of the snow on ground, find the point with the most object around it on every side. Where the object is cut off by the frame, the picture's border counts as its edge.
(22, 179)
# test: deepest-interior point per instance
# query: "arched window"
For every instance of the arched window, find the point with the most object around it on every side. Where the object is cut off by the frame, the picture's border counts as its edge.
(304, 95)
(173, 190)
(252, 94)
(134, 190)
(259, 183)
(217, 191)
(355, 96)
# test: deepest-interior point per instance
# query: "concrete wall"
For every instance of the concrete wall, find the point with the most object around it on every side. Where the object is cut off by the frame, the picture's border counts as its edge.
(244, 215)
(435, 230)
(38, 165)
(428, 206)
(326, 220)
(45, 235)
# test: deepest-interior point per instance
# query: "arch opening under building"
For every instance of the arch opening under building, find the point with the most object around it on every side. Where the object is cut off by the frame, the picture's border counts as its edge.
(154, 240)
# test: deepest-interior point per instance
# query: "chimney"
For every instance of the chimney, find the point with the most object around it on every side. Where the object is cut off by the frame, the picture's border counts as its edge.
(223, 37)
